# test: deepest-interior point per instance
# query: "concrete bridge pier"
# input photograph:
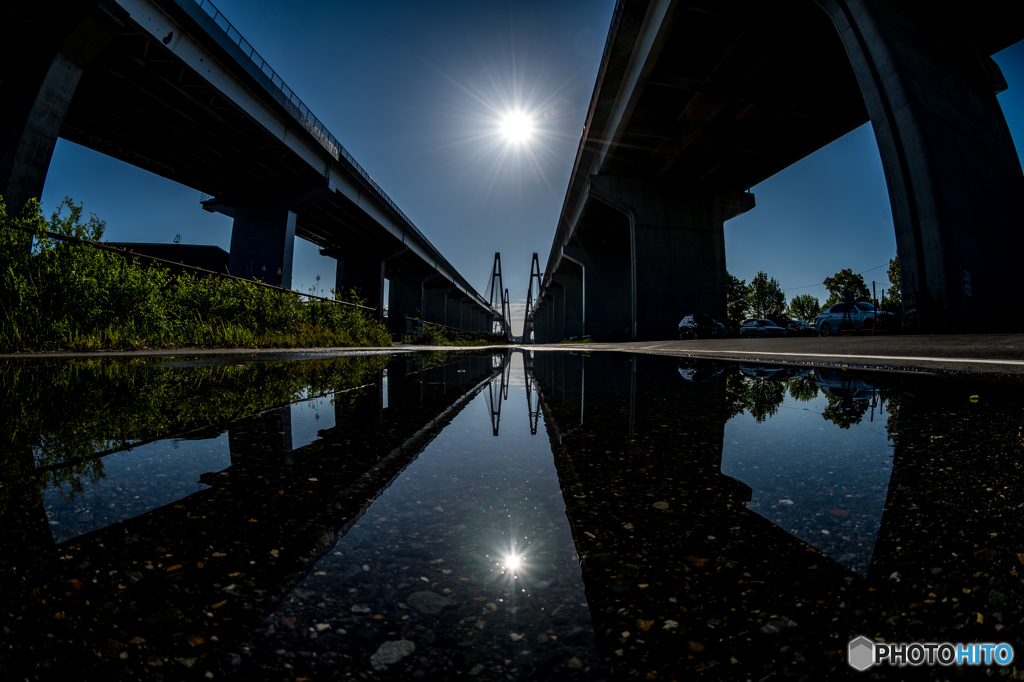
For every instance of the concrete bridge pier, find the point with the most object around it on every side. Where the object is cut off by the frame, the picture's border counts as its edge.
(479, 319)
(405, 299)
(435, 301)
(467, 314)
(557, 292)
(273, 430)
(360, 275)
(262, 243)
(29, 129)
(954, 177)
(263, 232)
(549, 317)
(651, 255)
(570, 278)
(453, 309)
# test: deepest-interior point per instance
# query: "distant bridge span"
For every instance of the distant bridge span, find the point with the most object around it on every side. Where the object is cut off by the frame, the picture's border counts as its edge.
(171, 87)
(696, 102)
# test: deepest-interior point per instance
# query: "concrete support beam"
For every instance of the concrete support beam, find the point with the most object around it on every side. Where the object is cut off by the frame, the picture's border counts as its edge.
(361, 275)
(262, 243)
(608, 301)
(272, 429)
(435, 300)
(405, 299)
(453, 310)
(570, 278)
(32, 136)
(557, 292)
(549, 317)
(665, 256)
(954, 177)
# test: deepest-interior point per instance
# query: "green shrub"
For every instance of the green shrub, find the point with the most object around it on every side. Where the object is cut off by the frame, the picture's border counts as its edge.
(56, 295)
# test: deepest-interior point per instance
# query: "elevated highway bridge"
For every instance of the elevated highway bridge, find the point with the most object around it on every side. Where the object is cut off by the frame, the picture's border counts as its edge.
(171, 87)
(696, 102)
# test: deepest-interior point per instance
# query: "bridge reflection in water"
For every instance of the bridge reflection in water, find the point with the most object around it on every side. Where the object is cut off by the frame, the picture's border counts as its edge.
(739, 521)
(404, 517)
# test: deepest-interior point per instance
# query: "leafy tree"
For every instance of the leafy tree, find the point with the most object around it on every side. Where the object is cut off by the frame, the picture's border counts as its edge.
(803, 307)
(843, 280)
(845, 412)
(763, 398)
(892, 301)
(803, 388)
(736, 294)
(765, 297)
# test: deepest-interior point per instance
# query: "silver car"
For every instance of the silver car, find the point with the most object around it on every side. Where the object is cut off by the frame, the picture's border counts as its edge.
(862, 315)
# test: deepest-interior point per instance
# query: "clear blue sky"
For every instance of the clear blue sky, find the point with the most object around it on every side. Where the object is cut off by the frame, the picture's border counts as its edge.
(413, 90)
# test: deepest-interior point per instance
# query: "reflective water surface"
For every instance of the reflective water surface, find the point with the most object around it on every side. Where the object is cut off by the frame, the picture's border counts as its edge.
(538, 515)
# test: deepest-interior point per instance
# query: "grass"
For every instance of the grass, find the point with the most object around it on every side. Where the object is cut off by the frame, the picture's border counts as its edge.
(56, 295)
(58, 414)
(585, 339)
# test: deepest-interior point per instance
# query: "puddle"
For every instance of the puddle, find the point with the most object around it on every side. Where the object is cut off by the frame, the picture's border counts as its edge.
(551, 515)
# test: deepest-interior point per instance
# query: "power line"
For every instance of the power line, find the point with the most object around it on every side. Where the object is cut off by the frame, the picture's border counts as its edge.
(819, 285)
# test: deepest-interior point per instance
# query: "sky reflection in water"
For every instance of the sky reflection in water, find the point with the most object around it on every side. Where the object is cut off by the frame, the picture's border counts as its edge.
(823, 484)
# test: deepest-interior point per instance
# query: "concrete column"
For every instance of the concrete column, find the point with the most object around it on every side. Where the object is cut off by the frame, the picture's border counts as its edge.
(662, 256)
(549, 317)
(453, 310)
(271, 431)
(557, 309)
(435, 304)
(467, 314)
(262, 243)
(32, 132)
(570, 277)
(953, 174)
(405, 299)
(606, 258)
(361, 275)
(541, 320)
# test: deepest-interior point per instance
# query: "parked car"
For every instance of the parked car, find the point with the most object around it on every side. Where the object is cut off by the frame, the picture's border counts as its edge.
(862, 315)
(701, 327)
(794, 327)
(761, 328)
(763, 371)
(699, 369)
(844, 385)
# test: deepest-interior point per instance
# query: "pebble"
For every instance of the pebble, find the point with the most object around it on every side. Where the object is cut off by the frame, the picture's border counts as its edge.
(391, 652)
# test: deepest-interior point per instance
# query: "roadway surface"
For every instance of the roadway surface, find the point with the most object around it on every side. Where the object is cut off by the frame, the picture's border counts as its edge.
(995, 353)
(989, 354)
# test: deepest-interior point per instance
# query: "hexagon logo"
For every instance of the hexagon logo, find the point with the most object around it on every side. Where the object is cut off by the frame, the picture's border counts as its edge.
(861, 653)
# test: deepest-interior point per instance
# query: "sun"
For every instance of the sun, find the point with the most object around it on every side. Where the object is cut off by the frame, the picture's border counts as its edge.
(516, 127)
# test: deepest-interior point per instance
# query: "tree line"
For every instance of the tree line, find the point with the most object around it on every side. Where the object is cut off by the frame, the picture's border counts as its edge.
(764, 297)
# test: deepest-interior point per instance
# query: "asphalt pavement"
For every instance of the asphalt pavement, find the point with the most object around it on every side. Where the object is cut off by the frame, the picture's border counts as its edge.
(979, 353)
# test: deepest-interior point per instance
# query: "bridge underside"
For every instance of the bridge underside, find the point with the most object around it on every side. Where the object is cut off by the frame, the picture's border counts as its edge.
(131, 96)
(701, 102)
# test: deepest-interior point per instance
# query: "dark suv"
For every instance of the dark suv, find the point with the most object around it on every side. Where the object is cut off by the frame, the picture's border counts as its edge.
(701, 327)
